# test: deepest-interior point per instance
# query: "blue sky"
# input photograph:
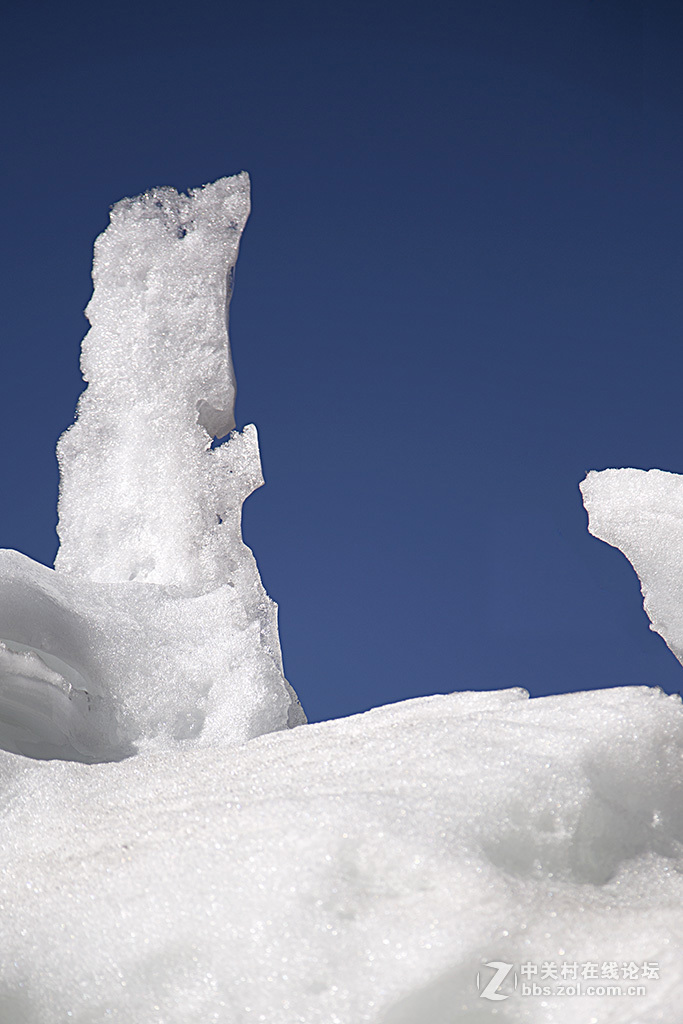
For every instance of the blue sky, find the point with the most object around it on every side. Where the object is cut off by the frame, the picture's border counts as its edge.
(459, 290)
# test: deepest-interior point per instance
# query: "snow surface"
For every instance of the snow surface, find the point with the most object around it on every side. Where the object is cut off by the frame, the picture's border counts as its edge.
(358, 870)
(172, 853)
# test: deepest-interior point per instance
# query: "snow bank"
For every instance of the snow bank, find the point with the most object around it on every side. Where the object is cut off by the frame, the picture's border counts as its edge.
(359, 870)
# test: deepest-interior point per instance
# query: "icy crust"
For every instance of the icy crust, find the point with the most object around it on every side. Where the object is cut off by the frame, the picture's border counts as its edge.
(142, 494)
(359, 870)
(640, 512)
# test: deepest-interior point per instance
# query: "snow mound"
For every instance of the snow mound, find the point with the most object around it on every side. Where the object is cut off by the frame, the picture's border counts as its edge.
(359, 870)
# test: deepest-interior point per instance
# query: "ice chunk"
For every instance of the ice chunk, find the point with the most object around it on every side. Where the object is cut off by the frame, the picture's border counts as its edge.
(641, 513)
(155, 603)
(358, 870)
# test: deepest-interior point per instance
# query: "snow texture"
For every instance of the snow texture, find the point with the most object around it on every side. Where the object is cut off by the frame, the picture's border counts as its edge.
(153, 630)
(358, 870)
(172, 853)
(143, 495)
(641, 513)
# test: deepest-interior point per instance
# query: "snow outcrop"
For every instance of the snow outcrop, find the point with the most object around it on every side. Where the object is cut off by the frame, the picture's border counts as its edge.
(155, 605)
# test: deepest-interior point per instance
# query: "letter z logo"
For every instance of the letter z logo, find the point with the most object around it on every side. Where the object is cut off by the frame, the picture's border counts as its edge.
(490, 991)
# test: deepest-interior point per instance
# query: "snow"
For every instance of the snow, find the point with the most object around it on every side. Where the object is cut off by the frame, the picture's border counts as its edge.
(358, 870)
(640, 512)
(172, 851)
(155, 605)
(141, 490)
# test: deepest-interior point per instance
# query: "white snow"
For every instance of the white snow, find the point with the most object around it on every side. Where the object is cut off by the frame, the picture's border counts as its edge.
(155, 604)
(641, 513)
(172, 853)
(359, 870)
(141, 490)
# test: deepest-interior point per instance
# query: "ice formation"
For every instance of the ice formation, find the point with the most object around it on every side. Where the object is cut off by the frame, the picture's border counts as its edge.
(640, 512)
(153, 627)
(172, 853)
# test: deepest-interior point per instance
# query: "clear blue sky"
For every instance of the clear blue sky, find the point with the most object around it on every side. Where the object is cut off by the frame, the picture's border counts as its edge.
(459, 290)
